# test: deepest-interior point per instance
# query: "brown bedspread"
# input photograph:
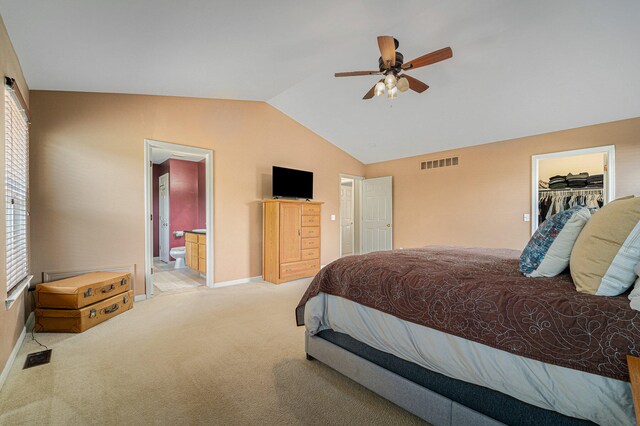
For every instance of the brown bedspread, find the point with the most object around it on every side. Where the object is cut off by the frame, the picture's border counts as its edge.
(479, 295)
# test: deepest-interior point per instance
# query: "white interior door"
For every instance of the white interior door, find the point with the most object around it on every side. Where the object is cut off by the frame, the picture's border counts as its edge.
(377, 219)
(346, 218)
(163, 217)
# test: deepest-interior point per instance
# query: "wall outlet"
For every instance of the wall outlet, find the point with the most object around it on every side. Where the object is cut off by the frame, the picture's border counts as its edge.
(526, 217)
(333, 217)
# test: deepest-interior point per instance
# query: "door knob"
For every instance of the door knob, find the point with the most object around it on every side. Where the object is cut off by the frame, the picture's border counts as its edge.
(388, 225)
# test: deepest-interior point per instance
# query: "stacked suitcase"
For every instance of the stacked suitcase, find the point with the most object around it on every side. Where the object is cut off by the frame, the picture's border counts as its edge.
(76, 304)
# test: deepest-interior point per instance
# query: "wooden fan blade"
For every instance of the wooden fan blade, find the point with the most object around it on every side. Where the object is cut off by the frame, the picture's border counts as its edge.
(415, 84)
(355, 73)
(387, 47)
(369, 94)
(428, 59)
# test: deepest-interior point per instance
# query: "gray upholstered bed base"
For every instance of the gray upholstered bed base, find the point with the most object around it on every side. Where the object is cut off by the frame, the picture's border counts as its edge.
(424, 403)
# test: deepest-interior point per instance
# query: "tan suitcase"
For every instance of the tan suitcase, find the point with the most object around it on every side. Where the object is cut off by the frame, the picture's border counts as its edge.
(83, 290)
(79, 320)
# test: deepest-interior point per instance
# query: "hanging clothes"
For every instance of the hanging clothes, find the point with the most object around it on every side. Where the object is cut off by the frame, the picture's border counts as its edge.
(555, 201)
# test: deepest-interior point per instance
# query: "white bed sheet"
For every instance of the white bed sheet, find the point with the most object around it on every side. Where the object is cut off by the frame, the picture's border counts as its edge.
(571, 392)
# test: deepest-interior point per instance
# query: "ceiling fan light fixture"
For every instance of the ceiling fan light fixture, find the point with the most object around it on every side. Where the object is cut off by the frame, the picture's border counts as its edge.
(402, 84)
(390, 81)
(379, 90)
(392, 93)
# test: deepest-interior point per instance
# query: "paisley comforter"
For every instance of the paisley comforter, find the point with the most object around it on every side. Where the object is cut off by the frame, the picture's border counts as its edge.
(479, 295)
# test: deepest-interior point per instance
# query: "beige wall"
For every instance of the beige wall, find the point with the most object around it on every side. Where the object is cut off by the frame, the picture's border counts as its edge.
(12, 320)
(481, 202)
(88, 175)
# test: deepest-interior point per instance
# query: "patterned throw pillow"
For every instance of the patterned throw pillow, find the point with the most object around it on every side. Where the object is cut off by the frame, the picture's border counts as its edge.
(608, 249)
(549, 250)
(634, 296)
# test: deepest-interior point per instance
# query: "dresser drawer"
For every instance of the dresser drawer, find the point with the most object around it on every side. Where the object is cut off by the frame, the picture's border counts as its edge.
(310, 254)
(202, 239)
(300, 269)
(190, 238)
(308, 243)
(310, 220)
(311, 209)
(310, 231)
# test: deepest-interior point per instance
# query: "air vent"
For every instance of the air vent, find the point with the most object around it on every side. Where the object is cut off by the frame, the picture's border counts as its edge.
(436, 164)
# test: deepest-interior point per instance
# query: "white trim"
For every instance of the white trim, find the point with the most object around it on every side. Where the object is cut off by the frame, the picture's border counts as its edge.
(16, 292)
(16, 349)
(357, 182)
(239, 281)
(610, 175)
(149, 145)
(140, 297)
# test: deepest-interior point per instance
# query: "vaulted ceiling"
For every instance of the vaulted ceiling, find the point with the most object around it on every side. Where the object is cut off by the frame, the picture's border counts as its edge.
(519, 67)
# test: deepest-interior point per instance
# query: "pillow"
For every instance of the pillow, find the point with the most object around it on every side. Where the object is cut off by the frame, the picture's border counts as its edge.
(608, 249)
(634, 296)
(549, 249)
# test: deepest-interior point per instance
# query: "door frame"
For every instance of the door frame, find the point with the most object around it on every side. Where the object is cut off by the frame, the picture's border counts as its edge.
(357, 187)
(149, 145)
(168, 233)
(609, 190)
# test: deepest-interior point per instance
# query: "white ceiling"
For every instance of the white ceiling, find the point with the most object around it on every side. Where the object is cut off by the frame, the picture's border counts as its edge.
(519, 67)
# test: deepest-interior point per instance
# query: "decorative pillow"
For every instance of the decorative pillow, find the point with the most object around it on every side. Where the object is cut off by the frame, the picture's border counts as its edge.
(549, 250)
(608, 249)
(634, 296)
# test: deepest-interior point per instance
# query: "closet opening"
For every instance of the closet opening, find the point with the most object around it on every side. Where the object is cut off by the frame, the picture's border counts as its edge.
(350, 187)
(179, 217)
(561, 180)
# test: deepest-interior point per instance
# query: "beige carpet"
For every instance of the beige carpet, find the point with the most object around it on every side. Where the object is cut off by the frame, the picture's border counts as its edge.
(205, 356)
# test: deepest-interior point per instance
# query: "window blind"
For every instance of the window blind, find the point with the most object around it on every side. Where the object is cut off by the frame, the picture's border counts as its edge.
(16, 148)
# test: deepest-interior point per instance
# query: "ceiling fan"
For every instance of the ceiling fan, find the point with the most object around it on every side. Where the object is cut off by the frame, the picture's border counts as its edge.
(391, 66)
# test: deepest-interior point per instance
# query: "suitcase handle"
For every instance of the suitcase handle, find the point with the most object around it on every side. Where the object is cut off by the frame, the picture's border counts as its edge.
(108, 289)
(111, 309)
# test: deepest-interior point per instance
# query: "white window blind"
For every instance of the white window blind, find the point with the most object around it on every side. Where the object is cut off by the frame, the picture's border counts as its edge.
(16, 149)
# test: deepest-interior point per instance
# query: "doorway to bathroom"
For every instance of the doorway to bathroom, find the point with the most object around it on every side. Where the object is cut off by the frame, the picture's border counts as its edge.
(350, 217)
(178, 217)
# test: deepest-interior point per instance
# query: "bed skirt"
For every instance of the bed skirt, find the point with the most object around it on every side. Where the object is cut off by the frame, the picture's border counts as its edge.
(432, 396)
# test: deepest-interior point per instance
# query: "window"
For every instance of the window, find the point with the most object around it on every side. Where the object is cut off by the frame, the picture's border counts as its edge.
(16, 148)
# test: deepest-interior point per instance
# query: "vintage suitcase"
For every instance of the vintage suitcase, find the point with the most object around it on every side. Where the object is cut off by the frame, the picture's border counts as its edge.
(79, 320)
(83, 290)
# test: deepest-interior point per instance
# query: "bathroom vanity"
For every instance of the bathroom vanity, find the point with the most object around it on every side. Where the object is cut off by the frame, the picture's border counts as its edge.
(196, 246)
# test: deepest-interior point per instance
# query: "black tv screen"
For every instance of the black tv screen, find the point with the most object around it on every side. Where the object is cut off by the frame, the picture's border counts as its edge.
(292, 183)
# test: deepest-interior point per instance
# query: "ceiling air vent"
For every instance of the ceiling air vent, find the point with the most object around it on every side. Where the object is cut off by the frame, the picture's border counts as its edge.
(436, 164)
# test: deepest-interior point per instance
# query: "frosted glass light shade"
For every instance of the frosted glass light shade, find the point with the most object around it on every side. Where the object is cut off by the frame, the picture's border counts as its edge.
(390, 81)
(403, 84)
(379, 90)
(392, 93)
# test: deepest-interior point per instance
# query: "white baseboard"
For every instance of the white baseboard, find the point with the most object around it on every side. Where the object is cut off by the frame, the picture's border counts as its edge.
(140, 297)
(16, 348)
(236, 282)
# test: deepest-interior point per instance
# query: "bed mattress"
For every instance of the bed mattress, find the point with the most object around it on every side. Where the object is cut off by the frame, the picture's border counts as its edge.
(571, 392)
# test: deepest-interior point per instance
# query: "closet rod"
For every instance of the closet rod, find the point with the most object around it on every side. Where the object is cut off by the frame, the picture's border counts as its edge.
(570, 189)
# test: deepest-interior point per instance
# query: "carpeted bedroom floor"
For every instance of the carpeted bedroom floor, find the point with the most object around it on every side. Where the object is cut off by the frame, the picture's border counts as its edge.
(224, 356)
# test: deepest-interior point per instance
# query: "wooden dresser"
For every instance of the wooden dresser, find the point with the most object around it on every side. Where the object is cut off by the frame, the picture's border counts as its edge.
(290, 239)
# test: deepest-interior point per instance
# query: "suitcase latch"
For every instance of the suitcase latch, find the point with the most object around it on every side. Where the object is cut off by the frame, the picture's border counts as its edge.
(88, 293)
(92, 313)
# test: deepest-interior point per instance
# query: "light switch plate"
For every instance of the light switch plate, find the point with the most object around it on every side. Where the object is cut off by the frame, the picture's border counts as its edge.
(526, 217)
(333, 217)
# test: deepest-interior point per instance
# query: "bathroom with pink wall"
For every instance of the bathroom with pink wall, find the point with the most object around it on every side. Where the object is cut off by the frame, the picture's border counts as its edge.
(187, 198)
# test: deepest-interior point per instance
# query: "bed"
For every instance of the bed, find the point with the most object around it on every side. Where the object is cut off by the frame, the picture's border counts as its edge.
(459, 336)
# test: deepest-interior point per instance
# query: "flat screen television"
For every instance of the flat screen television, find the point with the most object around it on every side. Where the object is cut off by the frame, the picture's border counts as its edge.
(291, 183)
